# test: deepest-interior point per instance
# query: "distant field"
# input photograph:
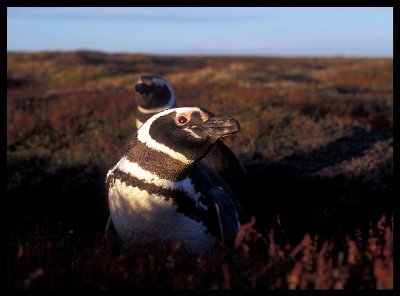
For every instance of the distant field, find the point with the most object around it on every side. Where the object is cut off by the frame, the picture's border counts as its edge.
(316, 138)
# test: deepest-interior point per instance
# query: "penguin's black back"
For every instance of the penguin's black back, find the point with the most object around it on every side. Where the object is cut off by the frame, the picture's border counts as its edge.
(222, 160)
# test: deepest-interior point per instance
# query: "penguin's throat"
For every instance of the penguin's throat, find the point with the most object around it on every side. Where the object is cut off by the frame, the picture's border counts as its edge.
(164, 100)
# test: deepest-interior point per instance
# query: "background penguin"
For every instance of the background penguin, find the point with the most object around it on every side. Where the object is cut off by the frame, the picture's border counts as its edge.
(155, 94)
(159, 192)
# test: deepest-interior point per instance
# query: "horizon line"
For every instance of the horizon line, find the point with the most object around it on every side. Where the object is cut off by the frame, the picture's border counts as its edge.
(199, 54)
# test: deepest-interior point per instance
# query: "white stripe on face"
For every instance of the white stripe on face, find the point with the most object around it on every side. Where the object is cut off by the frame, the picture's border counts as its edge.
(192, 133)
(144, 134)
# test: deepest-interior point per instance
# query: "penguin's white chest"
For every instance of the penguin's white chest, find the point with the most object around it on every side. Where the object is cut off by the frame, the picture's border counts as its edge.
(143, 217)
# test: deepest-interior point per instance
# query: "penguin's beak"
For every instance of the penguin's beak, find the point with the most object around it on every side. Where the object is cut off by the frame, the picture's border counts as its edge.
(220, 127)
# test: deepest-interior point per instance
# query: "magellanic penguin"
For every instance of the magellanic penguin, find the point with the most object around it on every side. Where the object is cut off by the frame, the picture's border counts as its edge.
(159, 192)
(155, 94)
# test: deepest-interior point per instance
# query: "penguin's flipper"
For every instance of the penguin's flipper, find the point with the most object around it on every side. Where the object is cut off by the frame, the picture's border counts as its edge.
(224, 205)
(226, 212)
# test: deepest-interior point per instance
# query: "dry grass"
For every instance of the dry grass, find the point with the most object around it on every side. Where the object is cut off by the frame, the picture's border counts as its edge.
(316, 137)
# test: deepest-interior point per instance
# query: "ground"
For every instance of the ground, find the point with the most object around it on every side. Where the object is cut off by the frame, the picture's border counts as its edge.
(316, 138)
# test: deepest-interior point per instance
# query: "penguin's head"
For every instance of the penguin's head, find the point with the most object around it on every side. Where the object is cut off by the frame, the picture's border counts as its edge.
(154, 92)
(185, 133)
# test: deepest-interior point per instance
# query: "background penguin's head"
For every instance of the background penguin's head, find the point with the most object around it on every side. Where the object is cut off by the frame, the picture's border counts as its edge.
(186, 131)
(154, 92)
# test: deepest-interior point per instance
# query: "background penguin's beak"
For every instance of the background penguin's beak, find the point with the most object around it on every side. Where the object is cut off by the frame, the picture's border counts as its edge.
(221, 126)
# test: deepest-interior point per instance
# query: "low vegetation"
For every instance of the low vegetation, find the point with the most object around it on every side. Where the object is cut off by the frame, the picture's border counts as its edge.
(316, 138)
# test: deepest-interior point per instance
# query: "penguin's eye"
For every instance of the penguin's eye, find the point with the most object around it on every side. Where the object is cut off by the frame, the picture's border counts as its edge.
(182, 119)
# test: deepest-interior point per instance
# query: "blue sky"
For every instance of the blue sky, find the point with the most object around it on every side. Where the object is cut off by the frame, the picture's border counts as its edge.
(358, 31)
